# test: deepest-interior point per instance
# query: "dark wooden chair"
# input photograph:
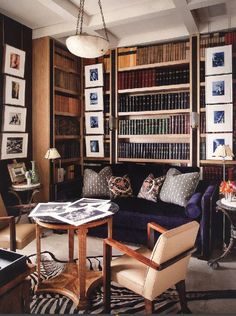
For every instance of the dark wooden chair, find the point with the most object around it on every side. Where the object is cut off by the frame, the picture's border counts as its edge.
(149, 272)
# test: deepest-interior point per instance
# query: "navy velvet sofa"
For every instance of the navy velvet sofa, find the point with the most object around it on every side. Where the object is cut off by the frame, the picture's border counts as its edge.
(130, 222)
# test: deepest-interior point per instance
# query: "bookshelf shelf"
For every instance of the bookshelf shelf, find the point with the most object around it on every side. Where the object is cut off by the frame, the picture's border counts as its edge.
(177, 87)
(154, 160)
(66, 91)
(156, 65)
(160, 112)
(70, 160)
(157, 137)
(66, 114)
(65, 69)
(66, 137)
(217, 162)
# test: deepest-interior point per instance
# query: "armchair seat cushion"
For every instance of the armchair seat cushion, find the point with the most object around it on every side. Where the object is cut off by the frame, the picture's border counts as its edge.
(25, 233)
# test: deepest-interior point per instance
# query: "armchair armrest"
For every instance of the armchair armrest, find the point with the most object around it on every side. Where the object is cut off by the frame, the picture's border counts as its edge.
(150, 233)
(23, 206)
(12, 230)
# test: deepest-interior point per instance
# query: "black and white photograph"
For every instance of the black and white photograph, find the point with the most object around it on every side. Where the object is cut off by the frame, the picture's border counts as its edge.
(219, 117)
(94, 75)
(84, 202)
(14, 145)
(94, 146)
(219, 89)
(49, 209)
(94, 122)
(218, 60)
(94, 99)
(14, 61)
(216, 139)
(14, 119)
(14, 91)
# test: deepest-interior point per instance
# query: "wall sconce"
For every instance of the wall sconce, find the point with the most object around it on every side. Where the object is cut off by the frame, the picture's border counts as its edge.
(112, 123)
(194, 120)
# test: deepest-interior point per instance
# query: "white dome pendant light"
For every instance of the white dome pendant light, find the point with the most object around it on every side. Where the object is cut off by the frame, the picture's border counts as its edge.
(87, 46)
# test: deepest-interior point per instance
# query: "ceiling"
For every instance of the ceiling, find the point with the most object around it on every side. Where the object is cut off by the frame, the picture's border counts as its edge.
(129, 22)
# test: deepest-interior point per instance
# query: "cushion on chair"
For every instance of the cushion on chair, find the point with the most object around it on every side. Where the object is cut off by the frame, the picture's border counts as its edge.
(25, 233)
(3, 212)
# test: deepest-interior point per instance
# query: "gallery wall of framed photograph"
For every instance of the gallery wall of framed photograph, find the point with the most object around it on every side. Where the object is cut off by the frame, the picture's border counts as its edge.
(219, 98)
(94, 110)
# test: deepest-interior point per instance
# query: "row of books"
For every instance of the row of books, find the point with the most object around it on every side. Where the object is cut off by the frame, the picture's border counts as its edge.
(154, 150)
(64, 59)
(106, 150)
(202, 149)
(215, 173)
(202, 97)
(132, 56)
(175, 124)
(66, 104)
(66, 80)
(68, 149)
(154, 102)
(106, 61)
(230, 38)
(106, 82)
(152, 77)
(203, 122)
(202, 72)
(106, 127)
(106, 103)
(210, 40)
(66, 126)
(69, 173)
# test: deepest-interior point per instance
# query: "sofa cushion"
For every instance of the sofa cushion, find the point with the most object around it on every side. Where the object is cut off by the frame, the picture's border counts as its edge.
(193, 207)
(151, 187)
(95, 184)
(178, 188)
(120, 186)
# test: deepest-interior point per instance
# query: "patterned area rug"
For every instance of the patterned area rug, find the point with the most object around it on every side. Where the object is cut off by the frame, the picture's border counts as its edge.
(123, 301)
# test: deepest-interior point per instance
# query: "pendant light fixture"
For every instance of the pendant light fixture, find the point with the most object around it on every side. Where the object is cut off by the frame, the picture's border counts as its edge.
(87, 46)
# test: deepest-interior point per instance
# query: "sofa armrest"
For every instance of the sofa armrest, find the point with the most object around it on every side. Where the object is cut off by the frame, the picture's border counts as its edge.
(193, 208)
(208, 203)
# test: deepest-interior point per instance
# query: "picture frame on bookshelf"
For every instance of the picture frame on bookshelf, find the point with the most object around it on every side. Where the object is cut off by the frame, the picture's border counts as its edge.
(218, 60)
(216, 139)
(14, 145)
(94, 146)
(14, 91)
(94, 99)
(14, 119)
(17, 172)
(219, 89)
(94, 122)
(14, 61)
(94, 75)
(219, 117)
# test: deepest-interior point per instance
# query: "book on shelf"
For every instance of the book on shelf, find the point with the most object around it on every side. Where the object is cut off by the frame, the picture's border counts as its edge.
(69, 149)
(127, 57)
(66, 125)
(64, 59)
(66, 104)
(69, 81)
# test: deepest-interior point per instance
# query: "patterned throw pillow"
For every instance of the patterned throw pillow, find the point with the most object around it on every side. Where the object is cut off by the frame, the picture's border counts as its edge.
(120, 186)
(178, 188)
(151, 187)
(95, 184)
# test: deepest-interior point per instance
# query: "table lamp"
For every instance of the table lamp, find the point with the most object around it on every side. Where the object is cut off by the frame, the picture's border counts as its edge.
(224, 152)
(53, 154)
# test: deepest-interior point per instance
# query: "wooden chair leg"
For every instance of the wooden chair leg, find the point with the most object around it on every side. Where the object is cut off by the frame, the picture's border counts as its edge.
(148, 306)
(107, 278)
(180, 287)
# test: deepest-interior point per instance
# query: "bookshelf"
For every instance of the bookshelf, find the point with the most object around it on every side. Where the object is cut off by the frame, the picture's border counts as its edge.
(212, 169)
(56, 112)
(154, 103)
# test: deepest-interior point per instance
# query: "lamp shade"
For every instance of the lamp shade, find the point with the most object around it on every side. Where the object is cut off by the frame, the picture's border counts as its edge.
(87, 46)
(52, 153)
(223, 151)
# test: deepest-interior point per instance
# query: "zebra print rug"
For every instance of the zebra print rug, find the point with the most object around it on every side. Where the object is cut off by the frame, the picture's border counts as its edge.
(123, 301)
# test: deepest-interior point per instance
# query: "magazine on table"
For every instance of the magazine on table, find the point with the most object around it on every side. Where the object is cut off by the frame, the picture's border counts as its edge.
(77, 213)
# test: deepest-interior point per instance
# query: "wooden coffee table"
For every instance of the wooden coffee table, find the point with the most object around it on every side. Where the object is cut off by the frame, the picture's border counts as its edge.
(75, 282)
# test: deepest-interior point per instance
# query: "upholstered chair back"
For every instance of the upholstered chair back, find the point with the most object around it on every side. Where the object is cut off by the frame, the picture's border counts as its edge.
(170, 244)
(3, 212)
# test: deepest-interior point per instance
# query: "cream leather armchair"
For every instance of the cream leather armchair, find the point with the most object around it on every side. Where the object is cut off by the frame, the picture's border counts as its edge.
(151, 272)
(14, 235)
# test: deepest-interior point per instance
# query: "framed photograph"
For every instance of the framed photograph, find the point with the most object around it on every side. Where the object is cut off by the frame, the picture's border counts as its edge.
(17, 172)
(14, 91)
(94, 122)
(14, 119)
(94, 99)
(219, 89)
(14, 145)
(219, 117)
(94, 75)
(94, 146)
(214, 140)
(14, 61)
(218, 60)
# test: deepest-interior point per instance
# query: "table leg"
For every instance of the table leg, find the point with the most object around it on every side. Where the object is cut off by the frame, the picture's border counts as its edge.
(71, 244)
(109, 227)
(38, 251)
(82, 234)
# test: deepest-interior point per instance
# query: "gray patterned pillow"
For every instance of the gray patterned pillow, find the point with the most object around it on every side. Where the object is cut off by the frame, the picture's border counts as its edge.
(178, 187)
(95, 184)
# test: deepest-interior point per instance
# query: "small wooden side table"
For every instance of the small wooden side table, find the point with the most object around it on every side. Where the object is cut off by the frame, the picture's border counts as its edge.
(230, 213)
(75, 281)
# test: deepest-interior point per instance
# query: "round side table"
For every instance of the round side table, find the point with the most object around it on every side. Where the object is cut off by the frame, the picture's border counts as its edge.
(229, 209)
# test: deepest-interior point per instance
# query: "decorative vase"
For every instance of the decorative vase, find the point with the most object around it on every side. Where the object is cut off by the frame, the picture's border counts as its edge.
(228, 196)
(34, 173)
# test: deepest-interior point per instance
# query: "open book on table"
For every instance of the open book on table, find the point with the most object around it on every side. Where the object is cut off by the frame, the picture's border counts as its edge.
(77, 213)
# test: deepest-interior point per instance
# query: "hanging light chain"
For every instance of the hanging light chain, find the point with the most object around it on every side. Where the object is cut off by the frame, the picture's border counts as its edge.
(103, 20)
(80, 18)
